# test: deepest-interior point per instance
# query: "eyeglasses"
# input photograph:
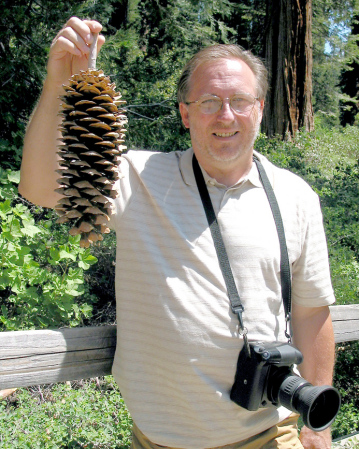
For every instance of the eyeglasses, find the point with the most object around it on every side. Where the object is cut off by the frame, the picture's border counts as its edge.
(239, 103)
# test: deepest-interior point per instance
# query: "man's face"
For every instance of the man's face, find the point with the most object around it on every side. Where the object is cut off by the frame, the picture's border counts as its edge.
(225, 137)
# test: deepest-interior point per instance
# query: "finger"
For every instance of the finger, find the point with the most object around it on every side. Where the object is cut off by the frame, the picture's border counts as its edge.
(100, 42)
(70, 41)
(84, 28)
(62, 46)
(95, 27)
(80, 33)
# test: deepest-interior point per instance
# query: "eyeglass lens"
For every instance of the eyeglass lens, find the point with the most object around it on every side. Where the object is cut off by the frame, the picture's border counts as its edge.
(238, 104)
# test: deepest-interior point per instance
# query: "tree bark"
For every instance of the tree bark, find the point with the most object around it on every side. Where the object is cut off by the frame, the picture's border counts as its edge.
(288, 53)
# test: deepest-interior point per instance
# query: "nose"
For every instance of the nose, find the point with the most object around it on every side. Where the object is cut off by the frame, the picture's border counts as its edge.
(226, 112)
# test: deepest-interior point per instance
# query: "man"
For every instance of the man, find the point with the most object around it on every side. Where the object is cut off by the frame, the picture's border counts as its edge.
(178, 340)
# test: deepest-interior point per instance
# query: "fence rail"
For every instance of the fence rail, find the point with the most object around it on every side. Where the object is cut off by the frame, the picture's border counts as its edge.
(48, 356)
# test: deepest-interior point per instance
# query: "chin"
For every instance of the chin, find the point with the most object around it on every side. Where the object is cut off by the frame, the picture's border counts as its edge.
(228, 156)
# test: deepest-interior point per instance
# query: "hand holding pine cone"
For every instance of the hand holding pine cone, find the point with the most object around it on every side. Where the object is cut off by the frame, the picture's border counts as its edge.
(92, 140)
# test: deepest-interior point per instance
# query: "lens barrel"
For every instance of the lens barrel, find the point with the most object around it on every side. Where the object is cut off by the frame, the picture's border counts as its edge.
(318, 406)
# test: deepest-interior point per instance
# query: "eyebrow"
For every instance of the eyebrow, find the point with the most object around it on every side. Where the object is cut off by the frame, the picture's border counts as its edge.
(236, 93)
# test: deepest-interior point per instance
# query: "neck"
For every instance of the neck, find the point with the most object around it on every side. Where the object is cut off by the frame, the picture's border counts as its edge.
(228, 173)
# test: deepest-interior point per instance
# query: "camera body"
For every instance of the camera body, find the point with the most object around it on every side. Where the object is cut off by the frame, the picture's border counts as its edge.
(265, 378)
(255, 374)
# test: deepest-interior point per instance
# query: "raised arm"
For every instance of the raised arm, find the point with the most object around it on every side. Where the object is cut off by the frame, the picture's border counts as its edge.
(68, 55)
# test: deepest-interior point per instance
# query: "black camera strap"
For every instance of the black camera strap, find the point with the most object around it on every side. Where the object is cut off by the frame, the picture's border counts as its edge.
(285, 275)
(236, 304)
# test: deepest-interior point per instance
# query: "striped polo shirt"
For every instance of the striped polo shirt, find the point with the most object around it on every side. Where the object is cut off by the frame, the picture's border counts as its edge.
(177, 339)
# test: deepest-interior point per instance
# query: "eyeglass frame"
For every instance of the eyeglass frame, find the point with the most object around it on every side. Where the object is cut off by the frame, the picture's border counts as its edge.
(222, 101)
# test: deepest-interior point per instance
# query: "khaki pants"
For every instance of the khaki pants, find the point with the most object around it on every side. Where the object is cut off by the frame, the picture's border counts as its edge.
(282, 436)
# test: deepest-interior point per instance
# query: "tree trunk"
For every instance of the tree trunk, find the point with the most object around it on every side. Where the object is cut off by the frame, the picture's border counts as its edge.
(288, 53)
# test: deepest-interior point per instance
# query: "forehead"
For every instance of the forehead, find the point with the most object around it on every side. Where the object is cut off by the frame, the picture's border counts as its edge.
(222, 77)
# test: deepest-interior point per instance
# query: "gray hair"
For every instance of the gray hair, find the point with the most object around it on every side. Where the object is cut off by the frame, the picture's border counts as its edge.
(223, 51)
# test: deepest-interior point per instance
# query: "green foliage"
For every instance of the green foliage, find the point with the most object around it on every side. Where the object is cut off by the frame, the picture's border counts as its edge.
(145, 59)
(347, 421)
(345, 273)
(332, 48)
(147, 45)
(41, 266)
(27, 29)
(25, 36)
(347, 371)
(347, 381)
(349, 112)
(11, 151)
(149, 88)
(89, 414)
(328, 161)
(100, 280)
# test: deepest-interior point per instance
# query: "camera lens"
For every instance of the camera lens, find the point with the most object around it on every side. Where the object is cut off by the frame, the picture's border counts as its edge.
(318, 406)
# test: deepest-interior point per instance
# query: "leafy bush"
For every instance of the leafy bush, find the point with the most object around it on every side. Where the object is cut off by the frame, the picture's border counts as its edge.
(347, 421)
(347, 381)
(339, 197)
(41, 266)
(344, 269)
(88, 414)
(328, 160)
(100, 280)
(10, 152)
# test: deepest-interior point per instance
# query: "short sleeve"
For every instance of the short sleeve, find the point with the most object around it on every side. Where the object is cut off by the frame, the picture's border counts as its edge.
(311, 285)
(126, 185)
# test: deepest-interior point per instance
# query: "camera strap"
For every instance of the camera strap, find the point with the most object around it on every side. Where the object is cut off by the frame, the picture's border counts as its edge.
(236, 304)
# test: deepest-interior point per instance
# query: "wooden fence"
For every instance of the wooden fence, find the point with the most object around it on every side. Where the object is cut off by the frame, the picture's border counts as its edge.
(48, 356)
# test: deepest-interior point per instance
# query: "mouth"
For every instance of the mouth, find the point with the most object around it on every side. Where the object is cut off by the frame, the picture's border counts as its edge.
(225, 134)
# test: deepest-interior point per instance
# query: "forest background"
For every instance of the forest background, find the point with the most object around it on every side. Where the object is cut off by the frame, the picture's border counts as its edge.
(47, 280)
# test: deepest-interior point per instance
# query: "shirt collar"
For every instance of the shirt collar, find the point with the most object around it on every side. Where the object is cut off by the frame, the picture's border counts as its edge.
(185, 166)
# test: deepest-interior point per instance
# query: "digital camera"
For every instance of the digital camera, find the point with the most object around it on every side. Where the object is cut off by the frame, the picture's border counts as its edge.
(266, 377)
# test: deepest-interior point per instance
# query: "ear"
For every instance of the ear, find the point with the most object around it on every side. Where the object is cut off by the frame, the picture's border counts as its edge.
(183, 108)
(261, 107)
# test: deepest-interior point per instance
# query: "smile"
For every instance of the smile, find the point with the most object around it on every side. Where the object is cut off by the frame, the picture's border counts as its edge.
(225, 134)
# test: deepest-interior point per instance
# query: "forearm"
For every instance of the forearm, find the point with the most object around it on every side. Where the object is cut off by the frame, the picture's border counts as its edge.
(40, 159)
(314, 337)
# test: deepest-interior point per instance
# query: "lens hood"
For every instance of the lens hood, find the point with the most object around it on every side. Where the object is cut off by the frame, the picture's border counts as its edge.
(318, 406)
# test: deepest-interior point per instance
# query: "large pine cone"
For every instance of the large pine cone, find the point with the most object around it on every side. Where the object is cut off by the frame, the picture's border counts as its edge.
(92, 140)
